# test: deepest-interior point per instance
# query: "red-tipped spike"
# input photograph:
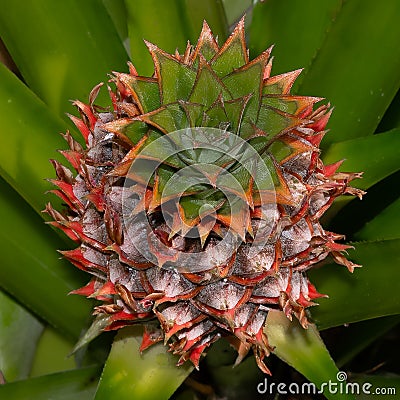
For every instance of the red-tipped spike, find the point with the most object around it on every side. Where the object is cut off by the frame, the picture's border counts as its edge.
(151, 336)
(132, 69)
(284, 81)
(73, 157)
(94, 93)
(86, 111)
(85, 131)
(96, 197)
(320, 122)
(313, 292)
(106, 289)
(86, 290)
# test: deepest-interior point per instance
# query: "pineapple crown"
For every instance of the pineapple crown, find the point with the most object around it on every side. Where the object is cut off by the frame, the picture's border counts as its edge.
(216, 88)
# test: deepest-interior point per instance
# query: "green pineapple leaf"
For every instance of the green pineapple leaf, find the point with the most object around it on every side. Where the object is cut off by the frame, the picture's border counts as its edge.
(20, 332)
(363, 294)
(384, 226)
(356, 337)
(58, 52)
(304, 350)
(147, 376)
(297, 34)
(32, 270)
(353, 79)
(34, 137)
(377, 155)
(77, 384)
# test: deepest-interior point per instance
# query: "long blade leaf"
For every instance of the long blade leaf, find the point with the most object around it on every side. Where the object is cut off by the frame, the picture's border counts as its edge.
(348, 67)
(78, 384)
(297, 29)
(52, 353)
(234, 9)
(304, 350)
(117, 11)
(377, 156)
(356, 337)
(30, 137)
(363, 294)
(32, 271)
(19, 334)
(62, 48)
(384, 226)
(152, 375)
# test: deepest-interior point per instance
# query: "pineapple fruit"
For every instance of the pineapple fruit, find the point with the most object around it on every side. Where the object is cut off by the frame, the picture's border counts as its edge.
(197, 198)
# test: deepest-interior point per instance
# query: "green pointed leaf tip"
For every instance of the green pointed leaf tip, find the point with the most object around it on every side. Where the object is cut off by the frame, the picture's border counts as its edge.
(247, 82)
(176, 79)
(273, 121)
(145, 90)
(128, 374)
(216, 115)
(100, 322)
(233, 54)
(168, 118)
(208, 87)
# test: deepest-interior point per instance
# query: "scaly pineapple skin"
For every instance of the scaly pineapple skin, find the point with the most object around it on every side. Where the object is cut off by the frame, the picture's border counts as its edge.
(190, 310)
